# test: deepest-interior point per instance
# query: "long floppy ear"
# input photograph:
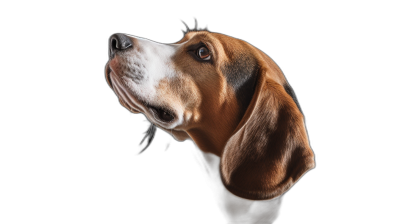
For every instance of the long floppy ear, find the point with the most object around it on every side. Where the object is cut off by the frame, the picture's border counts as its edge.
(269, 151)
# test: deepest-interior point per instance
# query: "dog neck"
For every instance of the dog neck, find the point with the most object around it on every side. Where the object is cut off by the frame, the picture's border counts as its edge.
(216, 128)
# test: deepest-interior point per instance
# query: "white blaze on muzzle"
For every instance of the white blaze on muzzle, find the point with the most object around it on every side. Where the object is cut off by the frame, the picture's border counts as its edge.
(143, 67)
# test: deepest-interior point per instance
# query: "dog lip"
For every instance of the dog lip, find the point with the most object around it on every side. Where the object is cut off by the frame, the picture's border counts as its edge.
(154, 110)
(108, 69)
(134, 105)
(126, 98)
(108, 73)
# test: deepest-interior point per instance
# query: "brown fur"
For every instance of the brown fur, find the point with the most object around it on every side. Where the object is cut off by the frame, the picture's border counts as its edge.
(262, 153)
(269, 151)
(258, 132)
(214, 97)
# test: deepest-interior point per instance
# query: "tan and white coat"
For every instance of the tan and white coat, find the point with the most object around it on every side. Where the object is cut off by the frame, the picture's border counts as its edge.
(236, 106)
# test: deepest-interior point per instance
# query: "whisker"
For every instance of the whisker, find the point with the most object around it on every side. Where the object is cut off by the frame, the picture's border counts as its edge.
(186, 27)
(148, 131)
(166, 147)
(155, 129)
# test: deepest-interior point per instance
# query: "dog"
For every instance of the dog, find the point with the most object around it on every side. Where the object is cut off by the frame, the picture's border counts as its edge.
(228, 97)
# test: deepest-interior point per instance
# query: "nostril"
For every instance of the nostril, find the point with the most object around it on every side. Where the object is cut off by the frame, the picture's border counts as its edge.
(114, 43)
(120, 41)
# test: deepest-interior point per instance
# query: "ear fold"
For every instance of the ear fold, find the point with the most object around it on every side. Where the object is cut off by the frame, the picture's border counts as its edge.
(269, 151)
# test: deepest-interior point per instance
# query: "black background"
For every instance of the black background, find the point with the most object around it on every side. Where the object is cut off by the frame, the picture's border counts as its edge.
(91, 164)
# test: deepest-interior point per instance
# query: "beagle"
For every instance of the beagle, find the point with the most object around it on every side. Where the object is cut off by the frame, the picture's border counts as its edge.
(232, 100)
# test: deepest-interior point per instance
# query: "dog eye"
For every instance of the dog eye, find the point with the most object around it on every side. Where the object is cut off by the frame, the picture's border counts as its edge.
(203, 53)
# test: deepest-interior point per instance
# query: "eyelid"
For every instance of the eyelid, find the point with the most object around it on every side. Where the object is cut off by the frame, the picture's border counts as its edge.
(206, 45)
(195, 47)
(209, 47)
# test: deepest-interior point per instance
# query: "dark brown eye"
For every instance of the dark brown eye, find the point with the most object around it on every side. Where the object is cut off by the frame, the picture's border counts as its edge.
(203, 53)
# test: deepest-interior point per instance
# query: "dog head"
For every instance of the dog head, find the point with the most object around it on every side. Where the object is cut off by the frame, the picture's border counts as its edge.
(227, 96)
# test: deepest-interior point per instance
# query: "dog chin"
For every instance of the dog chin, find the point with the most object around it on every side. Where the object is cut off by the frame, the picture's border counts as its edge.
(180, 136)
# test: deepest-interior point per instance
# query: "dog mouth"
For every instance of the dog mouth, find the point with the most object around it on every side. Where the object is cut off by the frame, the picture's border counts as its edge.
(133, 103)
(121, 95)
(162, 114)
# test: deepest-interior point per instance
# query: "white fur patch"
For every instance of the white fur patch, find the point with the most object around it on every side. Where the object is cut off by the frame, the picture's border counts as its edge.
(143, 67)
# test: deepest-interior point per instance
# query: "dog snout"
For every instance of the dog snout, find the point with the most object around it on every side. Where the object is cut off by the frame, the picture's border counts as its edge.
(119, 42)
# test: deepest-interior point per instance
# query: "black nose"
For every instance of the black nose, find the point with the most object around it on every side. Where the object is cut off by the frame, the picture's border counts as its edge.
(119, 42)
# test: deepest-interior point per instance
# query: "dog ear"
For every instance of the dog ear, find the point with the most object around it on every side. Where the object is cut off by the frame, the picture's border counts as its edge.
(269, 151)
